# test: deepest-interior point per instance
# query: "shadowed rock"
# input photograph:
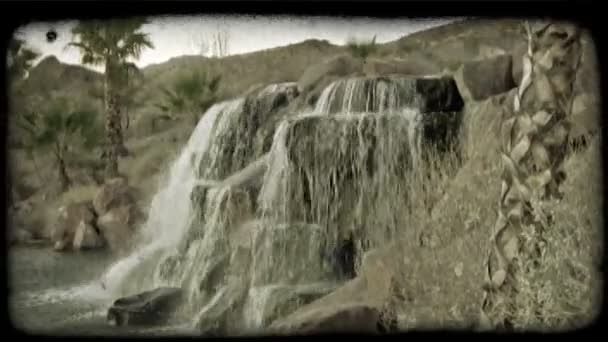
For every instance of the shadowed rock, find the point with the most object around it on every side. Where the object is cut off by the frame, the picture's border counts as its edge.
(484, 78)
(147, 308)
(389, 94)
(355, 307)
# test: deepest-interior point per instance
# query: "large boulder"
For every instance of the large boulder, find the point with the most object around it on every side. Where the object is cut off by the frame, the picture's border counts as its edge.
(118, 225)
(355, 307)
(114, 193)
(147, 308)
(481, 79)
(69, 218)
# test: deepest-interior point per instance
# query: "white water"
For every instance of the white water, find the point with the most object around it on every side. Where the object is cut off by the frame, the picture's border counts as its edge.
(171, 209)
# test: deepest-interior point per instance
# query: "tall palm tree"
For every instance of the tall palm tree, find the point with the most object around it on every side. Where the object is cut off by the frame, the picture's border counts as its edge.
(111, 43)
(534, 143)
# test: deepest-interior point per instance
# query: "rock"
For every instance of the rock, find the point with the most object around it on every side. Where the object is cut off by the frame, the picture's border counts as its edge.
(117, 226)
(484, 78)
(68, 219)
(87, 237)
(147, 308)
(354, 307)
(113, 194)
(438, 94)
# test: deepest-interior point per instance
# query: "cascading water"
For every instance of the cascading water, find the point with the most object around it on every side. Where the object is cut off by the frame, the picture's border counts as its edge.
(243, 255)
(170, 213)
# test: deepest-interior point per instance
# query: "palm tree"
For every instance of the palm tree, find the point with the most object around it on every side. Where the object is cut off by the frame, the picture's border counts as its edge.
(534, 142)
(60, 127)
(191, 94)
(111, 43)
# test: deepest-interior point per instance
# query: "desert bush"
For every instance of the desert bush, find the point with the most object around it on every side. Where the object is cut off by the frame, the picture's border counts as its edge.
(362, 49)
(192, 94)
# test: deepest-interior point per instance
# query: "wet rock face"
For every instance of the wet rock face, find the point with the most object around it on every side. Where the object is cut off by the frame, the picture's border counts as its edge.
(289, 254)
(248, 131)
(147, 308)
(333, 168)
(388, 94)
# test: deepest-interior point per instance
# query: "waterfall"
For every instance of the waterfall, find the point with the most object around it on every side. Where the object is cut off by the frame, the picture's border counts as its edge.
(243, 250)
(170, 212)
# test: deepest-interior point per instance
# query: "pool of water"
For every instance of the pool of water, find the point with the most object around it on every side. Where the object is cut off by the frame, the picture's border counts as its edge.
(54, 293)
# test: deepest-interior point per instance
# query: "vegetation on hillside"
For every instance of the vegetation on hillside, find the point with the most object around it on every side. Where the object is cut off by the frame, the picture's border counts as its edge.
(362, 49)
(190, 95)
(59, 126)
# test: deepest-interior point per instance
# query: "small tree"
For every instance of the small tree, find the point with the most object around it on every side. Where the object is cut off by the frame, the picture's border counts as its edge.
(191, 94)
(362, 49)
(59, 128)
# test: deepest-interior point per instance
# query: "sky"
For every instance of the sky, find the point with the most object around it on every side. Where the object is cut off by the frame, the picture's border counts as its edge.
(177, 36)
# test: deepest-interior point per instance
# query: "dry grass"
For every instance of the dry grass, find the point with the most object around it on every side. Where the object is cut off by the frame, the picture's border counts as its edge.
(447, 237)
